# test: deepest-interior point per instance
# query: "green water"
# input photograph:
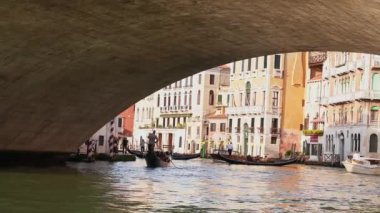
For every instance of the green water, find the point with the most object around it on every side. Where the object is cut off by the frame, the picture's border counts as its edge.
(192, 186)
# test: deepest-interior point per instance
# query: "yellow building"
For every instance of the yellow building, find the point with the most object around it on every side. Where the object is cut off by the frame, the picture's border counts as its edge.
(265, 104)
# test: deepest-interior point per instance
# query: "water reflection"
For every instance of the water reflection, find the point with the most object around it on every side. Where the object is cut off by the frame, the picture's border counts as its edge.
(196, 185)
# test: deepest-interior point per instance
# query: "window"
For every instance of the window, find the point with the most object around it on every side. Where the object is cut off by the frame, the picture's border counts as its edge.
(191, 80)
(273, 140)
(175, 99)
(275, 99)
(198, 130)
(158, 100)
(213, 127)
(165, 100)
(220, 99)
(211, 98)
(197, 146)
(249, 64)
(199, 97)
(180, 142)
(212, 79)
(185, 99)
(234, 67)
(254, 98)
(373, 143)
(242, 66)
(257, 63)
(277, 60)
(120, 122)
(200, 79)
(190, 103)
(179, 99)
(222, 127)
(101, 140)
(374, 113)
(252, 123)
(189, 131)
(263, 98)
(265, 62)
(238, 124)
(247, 93)
(230, 125)
(169, 99)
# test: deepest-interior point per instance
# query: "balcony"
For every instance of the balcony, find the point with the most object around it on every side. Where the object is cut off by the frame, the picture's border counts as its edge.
(244, 110)
(371, 95)
(348, 97)
(275, 131)
(313, 132)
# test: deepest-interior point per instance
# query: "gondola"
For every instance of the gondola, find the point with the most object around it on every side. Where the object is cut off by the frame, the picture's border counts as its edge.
(136, 152)
(257, 163)
(157, 159)
(178, 156)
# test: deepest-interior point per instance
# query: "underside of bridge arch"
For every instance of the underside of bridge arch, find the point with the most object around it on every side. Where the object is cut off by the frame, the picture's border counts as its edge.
(68, 67)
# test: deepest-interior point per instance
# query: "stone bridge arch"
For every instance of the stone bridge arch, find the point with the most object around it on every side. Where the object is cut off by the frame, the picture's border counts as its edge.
(68, 67)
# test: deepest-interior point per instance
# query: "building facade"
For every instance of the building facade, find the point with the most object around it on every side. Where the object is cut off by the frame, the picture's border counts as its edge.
(178, 111)
(351, 97)
(265, 102)
(314, 112)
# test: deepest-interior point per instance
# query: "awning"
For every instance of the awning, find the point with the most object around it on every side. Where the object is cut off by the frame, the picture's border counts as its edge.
(374, 108)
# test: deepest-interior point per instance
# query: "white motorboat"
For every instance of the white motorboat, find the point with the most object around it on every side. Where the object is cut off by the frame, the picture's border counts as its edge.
(362, 165)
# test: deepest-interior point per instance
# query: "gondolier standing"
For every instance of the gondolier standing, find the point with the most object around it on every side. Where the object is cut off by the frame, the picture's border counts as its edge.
(229, 148)
(152, 141)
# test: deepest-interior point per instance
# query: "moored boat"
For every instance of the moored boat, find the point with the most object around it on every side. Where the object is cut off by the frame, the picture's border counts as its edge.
(362, 165)
(234, 160)
(157, 159)
(178, 156)
(136, 152)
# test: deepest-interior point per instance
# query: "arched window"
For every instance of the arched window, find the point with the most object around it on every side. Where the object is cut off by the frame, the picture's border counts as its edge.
(158, 100)
(175, 99)
(185, 99)
(179, 98)
(169, 99)
(190, 98)
(165, 99)
(211, 97)
(138, 114)
(373, 143)
(199, 97)
(180, 142)
(247, 93)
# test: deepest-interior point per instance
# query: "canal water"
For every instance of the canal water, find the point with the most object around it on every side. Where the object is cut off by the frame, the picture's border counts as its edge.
(192, 186)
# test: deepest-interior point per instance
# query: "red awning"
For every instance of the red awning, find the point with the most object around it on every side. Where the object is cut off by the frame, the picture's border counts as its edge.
(318, 120)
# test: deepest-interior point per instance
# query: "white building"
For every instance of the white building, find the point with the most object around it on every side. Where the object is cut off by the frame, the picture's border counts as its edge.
(177, 112)
(351, 95)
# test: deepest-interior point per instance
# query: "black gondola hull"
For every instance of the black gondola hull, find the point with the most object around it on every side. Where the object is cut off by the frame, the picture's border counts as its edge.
(177, 156)
(152, 160)
(257, 163)
(136, 152)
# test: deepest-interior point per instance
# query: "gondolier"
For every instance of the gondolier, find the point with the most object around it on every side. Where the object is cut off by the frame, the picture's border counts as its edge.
(229, 148)
(152, 141)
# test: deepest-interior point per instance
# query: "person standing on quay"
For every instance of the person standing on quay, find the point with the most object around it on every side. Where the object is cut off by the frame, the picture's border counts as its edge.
(229, 148)
(142, 144)
(125, 145)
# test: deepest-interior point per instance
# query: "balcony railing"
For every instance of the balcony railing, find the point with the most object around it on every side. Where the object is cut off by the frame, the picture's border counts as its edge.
(244, 110)
(275, 131)
(277, 73)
